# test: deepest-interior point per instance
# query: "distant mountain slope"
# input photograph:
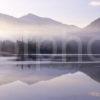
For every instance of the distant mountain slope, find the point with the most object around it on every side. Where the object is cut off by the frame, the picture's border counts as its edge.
(33, 19)
(90, 31)
(94, 26)
(32, 25)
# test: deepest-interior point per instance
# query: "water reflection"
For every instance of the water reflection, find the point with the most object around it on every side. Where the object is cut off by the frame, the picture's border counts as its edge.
(76, 86)
(31, 74)
(92, 70)
(50, 81)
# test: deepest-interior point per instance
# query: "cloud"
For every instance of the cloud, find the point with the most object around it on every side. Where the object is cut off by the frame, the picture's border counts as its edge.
(95, 3)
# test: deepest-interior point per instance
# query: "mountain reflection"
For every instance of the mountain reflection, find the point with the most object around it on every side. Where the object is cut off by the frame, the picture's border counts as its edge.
(31, 74)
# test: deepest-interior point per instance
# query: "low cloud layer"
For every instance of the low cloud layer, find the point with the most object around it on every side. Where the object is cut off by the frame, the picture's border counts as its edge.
(95, 3)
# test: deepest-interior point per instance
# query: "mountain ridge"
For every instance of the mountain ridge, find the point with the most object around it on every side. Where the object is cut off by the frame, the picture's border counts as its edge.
(30, 16)
(94, 26)
(31, 25)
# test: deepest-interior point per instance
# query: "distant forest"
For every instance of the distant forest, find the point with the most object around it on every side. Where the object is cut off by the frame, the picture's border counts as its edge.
(20, 48)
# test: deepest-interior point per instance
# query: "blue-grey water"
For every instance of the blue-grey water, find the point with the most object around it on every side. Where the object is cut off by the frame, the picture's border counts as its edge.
(48, 81)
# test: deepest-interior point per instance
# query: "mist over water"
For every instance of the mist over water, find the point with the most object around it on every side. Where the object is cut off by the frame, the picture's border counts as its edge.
(43, 59)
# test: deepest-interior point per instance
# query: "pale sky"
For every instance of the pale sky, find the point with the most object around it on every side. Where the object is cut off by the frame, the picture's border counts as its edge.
(76, 12)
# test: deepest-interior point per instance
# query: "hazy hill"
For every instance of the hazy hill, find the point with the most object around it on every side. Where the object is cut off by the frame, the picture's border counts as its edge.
(32, 25)
(94, 26)
(93, 29)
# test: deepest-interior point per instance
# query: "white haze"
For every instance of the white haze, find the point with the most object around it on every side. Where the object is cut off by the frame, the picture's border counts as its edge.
(32, 26)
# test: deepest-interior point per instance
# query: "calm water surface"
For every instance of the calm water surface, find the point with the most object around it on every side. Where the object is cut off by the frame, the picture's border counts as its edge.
(49, 81)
